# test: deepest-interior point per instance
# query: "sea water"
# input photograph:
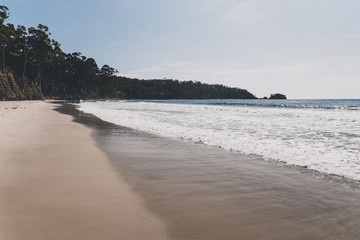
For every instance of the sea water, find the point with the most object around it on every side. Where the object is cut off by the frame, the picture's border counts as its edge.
(323, 135)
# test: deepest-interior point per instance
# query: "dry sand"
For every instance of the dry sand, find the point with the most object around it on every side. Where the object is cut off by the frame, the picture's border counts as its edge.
(56, 184)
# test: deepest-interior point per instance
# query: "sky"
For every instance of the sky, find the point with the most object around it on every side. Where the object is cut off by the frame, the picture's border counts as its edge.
(301, 48)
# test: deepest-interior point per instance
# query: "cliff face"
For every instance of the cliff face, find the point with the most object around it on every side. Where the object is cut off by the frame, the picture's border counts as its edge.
(9, 90)
(22, 89)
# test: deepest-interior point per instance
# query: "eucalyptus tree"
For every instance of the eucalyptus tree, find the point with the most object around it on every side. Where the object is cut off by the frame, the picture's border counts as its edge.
(108, 71)
(41, 49)
(4, 32)
(24, 46)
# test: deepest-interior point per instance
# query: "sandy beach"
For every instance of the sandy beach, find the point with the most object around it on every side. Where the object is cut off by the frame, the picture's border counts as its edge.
(65, 174)
(56, 184)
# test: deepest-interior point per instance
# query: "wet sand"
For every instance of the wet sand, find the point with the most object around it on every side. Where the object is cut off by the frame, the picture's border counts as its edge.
(207, 193)
(55, 183)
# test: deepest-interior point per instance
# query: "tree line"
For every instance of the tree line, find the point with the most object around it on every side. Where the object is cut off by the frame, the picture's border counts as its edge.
(32, 60)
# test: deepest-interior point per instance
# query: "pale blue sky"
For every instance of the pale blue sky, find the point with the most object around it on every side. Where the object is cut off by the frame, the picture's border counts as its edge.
(302, 48)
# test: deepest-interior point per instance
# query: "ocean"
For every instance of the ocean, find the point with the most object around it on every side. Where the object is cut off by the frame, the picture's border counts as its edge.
(322, 135)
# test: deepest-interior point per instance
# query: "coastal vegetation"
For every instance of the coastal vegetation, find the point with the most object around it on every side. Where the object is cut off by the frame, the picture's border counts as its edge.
(33, 66)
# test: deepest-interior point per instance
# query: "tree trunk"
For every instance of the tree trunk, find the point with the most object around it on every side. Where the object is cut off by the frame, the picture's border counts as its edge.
(3, 57)
(37, 76)
(24, 69)
(40, 86)
(26, 53)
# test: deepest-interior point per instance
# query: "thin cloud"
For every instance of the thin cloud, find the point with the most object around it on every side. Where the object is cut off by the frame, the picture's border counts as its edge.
(346, 36)
(244, 13)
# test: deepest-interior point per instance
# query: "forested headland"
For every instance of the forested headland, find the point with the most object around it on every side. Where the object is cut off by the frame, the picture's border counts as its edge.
(33, 66)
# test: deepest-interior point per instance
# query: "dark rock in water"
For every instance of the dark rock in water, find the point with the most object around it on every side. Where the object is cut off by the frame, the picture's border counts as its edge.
(277, 96)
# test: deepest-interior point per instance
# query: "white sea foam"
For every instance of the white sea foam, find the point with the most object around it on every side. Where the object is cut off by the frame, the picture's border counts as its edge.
(321, 139)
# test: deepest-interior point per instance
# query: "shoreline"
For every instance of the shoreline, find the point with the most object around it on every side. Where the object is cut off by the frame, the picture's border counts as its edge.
(317, 139)
(74, 176)
(337, 179)
(206, 193)
(56, 183)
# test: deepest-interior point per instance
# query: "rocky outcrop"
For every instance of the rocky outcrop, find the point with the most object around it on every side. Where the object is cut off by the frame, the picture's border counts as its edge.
(17, 89)
(277, 96)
